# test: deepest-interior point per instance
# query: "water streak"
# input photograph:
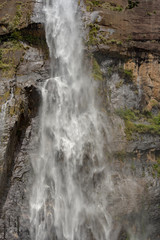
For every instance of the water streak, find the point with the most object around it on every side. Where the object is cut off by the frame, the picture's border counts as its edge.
(3, 112)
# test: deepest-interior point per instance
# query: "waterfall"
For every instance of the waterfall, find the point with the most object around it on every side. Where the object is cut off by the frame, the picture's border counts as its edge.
(73, 188)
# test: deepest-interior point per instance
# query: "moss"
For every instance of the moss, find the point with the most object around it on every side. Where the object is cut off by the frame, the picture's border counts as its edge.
(97, 36)
(126, 74)
(112, 6)
(126, 114)
(5, 19)
(156, 168)
(4, 66)
(114, 41)
(93, 32)
(8, 60)
(91, 4)
(117, 8)
(22, 15)
(97, 73)
(6, 95)
(151, 125)
(16, 35)
(17, 20)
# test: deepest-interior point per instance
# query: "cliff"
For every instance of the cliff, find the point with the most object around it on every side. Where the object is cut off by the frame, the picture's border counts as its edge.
(123, 41)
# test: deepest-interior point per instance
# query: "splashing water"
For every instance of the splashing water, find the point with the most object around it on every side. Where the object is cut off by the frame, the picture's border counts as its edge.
(72, 188)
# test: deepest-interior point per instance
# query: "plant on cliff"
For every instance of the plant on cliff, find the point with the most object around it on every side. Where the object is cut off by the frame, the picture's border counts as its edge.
(91, 4)
(112, 6)
(93, 31)
(126, 74)
(97, 73)
(132, 4)
(156, 167)
(141, 123)
(9, 52)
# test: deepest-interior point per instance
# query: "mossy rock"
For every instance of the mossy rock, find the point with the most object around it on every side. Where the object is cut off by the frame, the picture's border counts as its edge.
(96, 71)
(139, 123)
(11, 53)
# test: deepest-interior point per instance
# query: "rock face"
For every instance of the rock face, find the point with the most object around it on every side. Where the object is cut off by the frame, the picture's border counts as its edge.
(23, 66)
(123, 38)
(14, 15)
(19, 107)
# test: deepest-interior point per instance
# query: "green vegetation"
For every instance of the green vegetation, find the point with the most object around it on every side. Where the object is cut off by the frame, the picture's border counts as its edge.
(21, 16)
(132, 4)
(147, 123)
(91, 4)
(125, 74)
(156, 167)
(17, 20)
(117, 8)
(97, 73)
(8, 57)
(113, 41)
(112, 7)
(151, 13)
(93, 32)
(126, 114)
(97, 37)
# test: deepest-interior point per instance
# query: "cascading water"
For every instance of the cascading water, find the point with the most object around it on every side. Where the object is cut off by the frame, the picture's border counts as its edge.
(72, 189)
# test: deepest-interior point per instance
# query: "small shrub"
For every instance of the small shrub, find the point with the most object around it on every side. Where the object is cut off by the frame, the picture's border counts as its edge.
(126, 74)
(132, 4)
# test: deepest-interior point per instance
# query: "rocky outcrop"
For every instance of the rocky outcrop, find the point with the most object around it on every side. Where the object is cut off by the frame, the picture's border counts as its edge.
(20, 106)
(15, 15)
(123, 38)
(23, 66)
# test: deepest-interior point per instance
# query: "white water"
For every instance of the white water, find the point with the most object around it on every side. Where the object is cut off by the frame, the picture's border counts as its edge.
(3, 112)
(72, 190)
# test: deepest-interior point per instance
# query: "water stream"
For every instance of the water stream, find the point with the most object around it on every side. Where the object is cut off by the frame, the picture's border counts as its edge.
(73, 191)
